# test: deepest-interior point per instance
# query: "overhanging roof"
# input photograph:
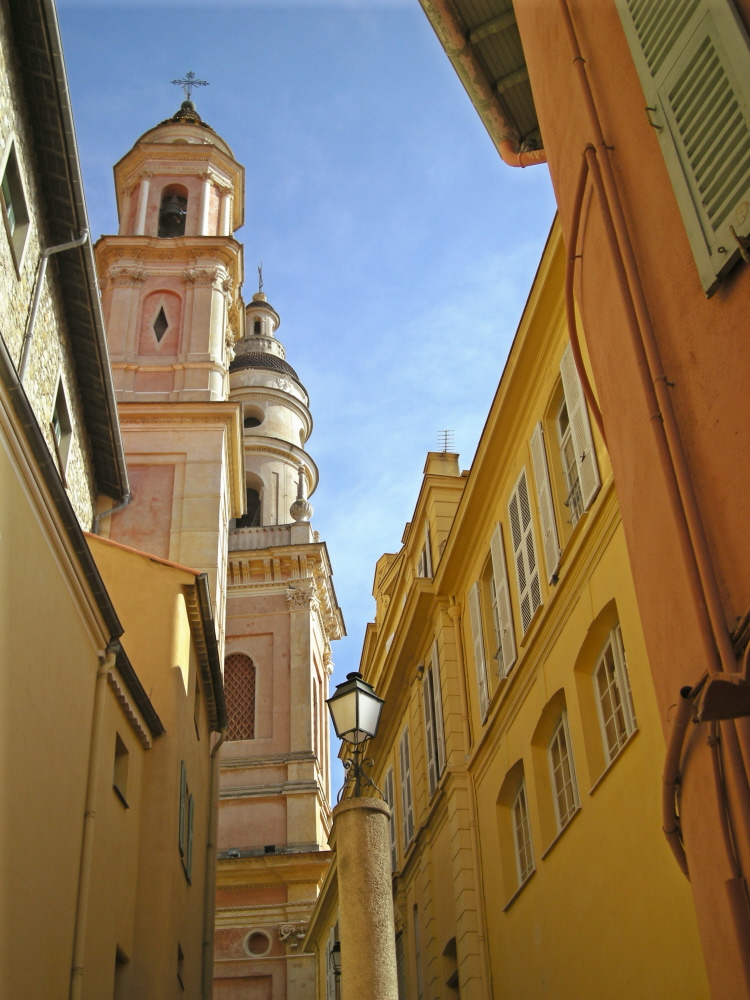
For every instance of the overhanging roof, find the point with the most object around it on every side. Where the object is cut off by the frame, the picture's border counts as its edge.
(37, 40)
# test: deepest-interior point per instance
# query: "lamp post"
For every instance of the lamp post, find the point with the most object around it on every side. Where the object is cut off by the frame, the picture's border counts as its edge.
(355, 712)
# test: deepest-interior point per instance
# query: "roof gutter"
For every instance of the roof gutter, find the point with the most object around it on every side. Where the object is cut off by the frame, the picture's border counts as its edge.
(71, 151)
(212, 649)
(461, 53)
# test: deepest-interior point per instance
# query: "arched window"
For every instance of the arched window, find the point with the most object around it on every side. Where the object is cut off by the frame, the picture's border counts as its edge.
(239, 691)
(173, 212)
(252, 518)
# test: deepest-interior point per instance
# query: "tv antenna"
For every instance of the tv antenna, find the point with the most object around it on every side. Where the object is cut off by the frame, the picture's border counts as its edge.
(446, 440)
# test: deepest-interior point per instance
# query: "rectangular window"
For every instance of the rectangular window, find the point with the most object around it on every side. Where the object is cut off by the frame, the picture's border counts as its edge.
(477, 635)
(573, 498)
(433, 713)
(187, 811)
(120, 776)
(693, 60)
(550, 541)
(563, 774)
(15, 209)
(407, 807)
(524, 551)
(613, 696)
(501, 610)
(584, 482)
(390, 798)
(522, 836)
(62, 431)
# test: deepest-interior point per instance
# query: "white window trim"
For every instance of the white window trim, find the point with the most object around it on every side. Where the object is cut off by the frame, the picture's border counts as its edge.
(563, 724)
(544, 504)
(507, 654)
(407, 796)
(522, 549)
(622, 679)
(390, 798)
(477, 635)
(521, 793)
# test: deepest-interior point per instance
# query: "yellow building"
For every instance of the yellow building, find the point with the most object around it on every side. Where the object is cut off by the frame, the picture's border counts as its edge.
(520, 744)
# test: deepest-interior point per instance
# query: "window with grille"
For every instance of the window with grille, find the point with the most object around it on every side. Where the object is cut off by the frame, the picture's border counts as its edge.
(239, 691)
(613, 696)
(563, 774)
(524, 551)
(522, 836)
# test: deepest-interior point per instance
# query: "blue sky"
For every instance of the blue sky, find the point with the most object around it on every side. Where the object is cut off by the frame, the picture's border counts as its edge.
(396, 246)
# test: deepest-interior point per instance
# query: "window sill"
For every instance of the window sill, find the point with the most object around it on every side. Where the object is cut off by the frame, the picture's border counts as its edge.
(614, 760)
(519, 890)
(561, 833)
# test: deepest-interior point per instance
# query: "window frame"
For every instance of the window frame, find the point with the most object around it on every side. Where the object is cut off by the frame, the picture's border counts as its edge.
(18, 236)
(521, 549)
(407, 790)
(528, 845)
(575, 512)
(622, 679)
(562, 729)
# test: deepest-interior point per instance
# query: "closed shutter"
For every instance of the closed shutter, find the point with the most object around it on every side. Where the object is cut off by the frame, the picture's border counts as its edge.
(183, 815)
(427, 549)
(438, 692)
(507, 654)
(580, 430)
(429, 725)
(524, 551)
(390, 798)
(550, 542)
(477, 636)
(189, 859)
(693, 60)
(407, 807)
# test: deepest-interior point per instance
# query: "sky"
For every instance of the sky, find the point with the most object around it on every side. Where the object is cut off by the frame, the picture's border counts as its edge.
(397, 247)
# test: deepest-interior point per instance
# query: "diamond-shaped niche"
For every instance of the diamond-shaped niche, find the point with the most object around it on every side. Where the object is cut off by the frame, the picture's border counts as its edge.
(161, 325)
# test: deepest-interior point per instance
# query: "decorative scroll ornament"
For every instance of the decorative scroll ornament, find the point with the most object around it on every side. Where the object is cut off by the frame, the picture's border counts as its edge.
(204, 276)
(293, 934)
(300, 600)
(122, 274)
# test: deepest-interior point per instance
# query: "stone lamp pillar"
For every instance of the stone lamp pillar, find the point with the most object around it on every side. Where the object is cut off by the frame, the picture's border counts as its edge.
(366, 929)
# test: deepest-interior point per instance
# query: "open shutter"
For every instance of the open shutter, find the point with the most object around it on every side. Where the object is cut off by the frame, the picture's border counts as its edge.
(390, 798)
(693, 60)
(507, 656)
(407, 807)
(429, 725)
(427, 549)
(550, 542)
(580, 429)
(183, 815)
(475, 616)
(189, 860)
(438, 704)
(524, 551)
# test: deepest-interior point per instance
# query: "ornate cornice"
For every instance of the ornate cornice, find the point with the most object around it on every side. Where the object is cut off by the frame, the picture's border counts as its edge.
(130, 712)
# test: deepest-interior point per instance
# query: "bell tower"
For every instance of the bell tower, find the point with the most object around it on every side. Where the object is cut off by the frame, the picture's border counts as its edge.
(170, 283)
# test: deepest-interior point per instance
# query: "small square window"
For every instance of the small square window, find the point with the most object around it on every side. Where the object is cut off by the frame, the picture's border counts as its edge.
(15, 210)
(120, 776)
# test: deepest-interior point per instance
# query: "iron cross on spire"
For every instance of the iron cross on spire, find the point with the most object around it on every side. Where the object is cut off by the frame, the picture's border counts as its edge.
(189, 82)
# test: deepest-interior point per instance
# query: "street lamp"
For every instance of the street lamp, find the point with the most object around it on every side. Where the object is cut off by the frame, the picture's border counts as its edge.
(336, 959)
(355, 711)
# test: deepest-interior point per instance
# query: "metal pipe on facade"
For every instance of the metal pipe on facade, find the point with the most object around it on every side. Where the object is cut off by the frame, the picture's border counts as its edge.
(209, 906)
(112, 510)
(87, 845)
(671, 779)
(43, 261)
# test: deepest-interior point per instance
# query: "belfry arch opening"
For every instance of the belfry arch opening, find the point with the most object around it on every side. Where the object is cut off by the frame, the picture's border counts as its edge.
(173, 211)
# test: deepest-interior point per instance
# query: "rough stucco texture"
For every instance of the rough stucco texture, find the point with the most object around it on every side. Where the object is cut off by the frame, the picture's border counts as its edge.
(366, 928)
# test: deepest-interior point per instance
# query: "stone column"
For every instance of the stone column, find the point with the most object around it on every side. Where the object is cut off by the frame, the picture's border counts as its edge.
(205, 204)
(140, 222)
(366, 928)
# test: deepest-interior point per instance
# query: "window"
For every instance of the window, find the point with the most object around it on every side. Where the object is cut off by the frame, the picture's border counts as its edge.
(257, 328)
(502, 615)
(524, 551)
(390, 798)
(477, 635)
(316, 748)
(694, 66)
(239, 691)
(173, 212)
(563, 774)
(424, 566)
(407, 806)
(522, 836)
(62, 432)
(613, 696)
(120, 775)
(580, 446)
(253, 416)
(550, 541)
(15, 210)
(433, 715)
(418, 953)
(252, 518)
(187, 810)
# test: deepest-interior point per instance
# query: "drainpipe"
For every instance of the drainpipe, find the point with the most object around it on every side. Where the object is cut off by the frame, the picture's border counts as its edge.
(209, 906)
(46, 254)
(106, 663)
(127, 498)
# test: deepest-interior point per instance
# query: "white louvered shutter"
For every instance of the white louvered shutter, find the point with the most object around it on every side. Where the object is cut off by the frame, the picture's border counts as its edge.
(524, 551)
(477, 636)
(438, 703)
(407, 807)
(429, 726)
(693, 60)
(550, 542)
(390, 798)
(428, 549)
(507, 655)
(580, 429)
